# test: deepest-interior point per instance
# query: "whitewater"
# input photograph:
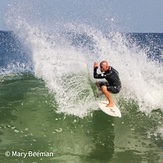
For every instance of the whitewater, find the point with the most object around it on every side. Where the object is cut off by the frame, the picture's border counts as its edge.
(66, 65)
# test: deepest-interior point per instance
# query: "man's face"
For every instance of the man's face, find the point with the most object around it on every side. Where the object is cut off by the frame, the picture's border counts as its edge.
(103, 67)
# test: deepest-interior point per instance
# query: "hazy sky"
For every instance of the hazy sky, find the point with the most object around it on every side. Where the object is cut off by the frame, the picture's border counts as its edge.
(126, 15)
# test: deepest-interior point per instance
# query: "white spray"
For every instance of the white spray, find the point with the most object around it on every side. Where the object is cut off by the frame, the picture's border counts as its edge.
(66, 68)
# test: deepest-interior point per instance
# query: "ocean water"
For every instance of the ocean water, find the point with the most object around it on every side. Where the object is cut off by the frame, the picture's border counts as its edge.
(48, 103)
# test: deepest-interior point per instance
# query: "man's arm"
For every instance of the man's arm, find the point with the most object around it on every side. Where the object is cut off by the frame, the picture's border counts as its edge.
(95, 74)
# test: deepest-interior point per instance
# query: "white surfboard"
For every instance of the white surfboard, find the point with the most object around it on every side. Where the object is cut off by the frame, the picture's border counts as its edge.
(112, 111)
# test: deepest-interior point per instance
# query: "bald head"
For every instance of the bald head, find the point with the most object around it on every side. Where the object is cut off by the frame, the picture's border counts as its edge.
(104, 66)
(103, 63)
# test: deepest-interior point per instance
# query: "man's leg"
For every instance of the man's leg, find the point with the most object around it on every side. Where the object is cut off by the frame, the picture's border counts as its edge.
(98, 85)
(108, 96)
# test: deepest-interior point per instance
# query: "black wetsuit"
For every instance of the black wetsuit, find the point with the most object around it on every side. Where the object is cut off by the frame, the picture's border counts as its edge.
(113, 82)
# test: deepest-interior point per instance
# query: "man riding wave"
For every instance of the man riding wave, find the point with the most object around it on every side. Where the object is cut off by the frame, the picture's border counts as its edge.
(112, 83)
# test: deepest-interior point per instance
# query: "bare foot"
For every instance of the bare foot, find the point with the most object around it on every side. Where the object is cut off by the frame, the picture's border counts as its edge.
(110, 105)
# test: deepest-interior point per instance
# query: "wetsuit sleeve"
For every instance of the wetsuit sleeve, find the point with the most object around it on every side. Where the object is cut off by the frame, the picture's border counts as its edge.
(96, 75)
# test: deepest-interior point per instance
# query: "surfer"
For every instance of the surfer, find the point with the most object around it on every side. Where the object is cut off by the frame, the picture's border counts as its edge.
(113, 83)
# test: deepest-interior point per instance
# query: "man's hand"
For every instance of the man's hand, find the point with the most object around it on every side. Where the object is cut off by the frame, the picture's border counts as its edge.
(95, 65)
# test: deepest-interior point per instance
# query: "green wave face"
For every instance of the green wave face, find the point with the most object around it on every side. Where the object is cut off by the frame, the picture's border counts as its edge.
(30, 123)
